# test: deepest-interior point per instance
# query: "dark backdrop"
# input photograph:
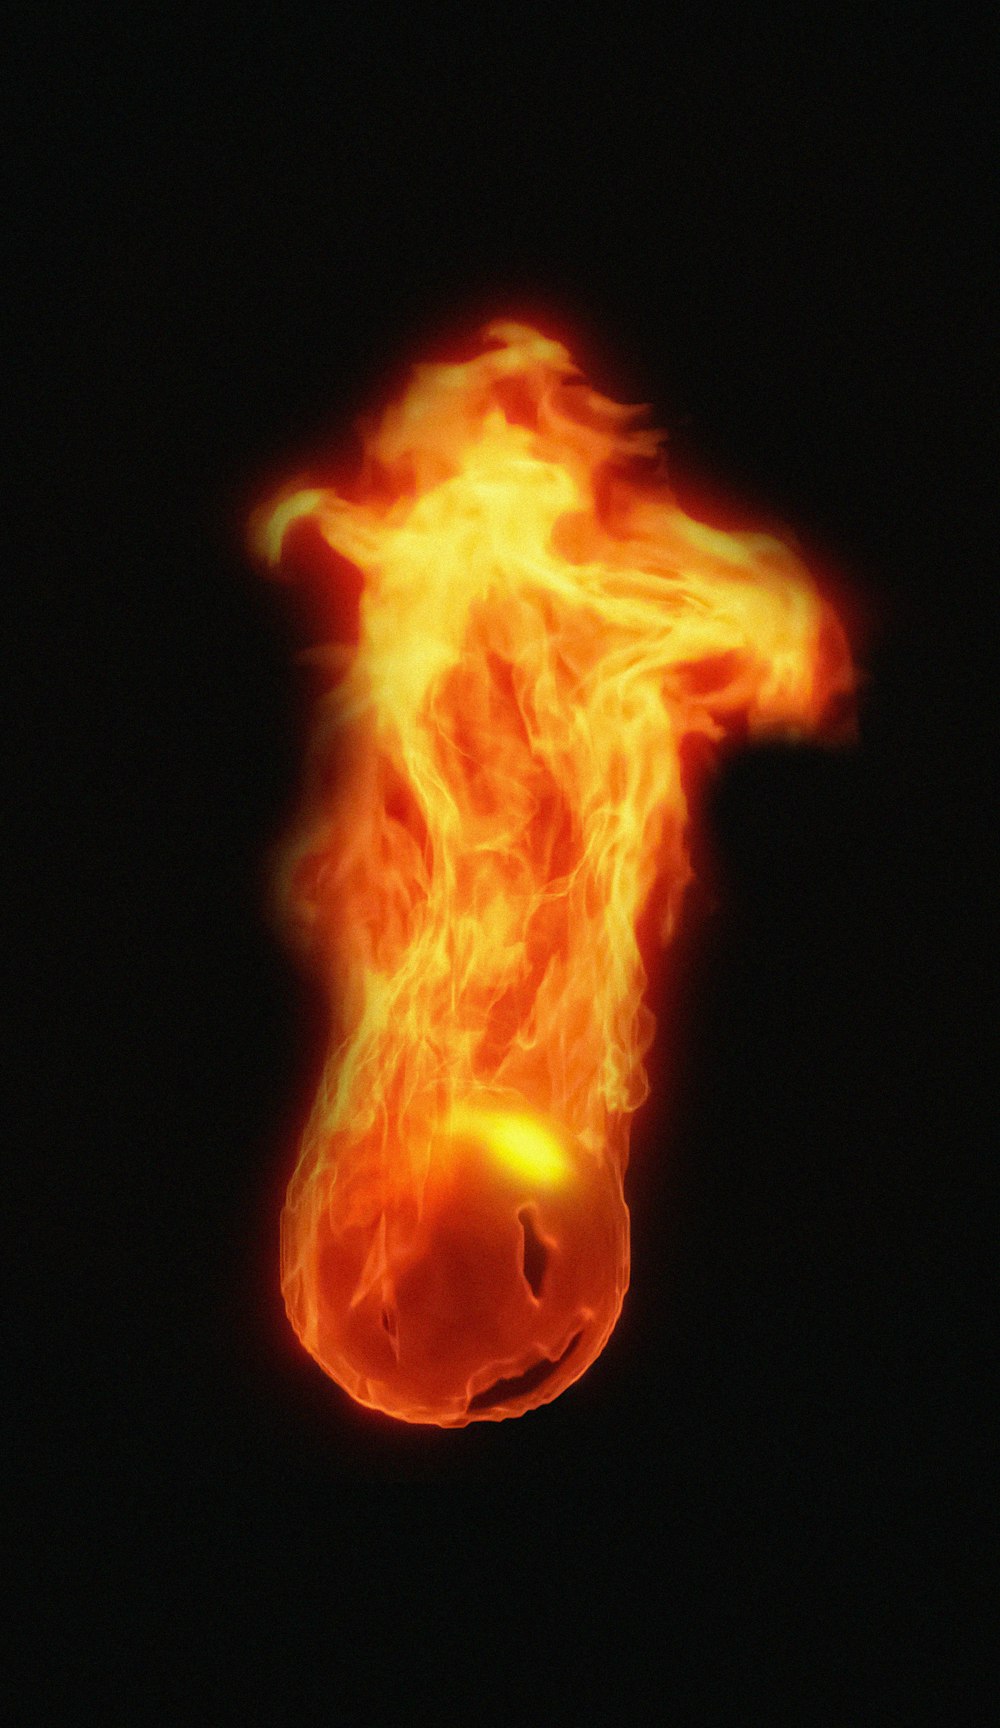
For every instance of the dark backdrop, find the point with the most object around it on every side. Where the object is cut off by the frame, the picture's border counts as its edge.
(231, 238)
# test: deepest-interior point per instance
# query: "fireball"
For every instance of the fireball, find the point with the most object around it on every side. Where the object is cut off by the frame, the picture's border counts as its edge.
(493, 790)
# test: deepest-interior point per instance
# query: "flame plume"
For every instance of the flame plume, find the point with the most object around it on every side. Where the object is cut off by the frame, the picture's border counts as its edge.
(540, 629)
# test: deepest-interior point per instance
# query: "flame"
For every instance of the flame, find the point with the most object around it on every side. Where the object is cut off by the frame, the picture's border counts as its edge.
(494, 786)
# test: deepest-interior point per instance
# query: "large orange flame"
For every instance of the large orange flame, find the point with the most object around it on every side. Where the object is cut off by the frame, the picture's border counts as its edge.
(541, 627)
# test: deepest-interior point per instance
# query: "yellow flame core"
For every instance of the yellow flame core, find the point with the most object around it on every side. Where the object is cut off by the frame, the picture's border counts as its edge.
(516, 1140)
(540, 629)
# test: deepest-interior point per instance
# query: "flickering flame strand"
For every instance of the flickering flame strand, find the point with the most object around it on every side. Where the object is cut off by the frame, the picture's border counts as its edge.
(541, 627)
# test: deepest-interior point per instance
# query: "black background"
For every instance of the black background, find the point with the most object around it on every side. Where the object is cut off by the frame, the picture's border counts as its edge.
(232, 238)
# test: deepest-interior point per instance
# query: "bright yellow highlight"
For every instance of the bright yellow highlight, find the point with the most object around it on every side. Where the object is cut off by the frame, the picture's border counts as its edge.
(517, 1141)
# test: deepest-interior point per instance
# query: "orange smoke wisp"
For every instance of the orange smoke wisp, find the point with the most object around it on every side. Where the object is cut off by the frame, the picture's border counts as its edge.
(541, 627)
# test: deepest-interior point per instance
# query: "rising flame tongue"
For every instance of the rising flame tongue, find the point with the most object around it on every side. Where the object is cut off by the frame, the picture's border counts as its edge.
(541, 627)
